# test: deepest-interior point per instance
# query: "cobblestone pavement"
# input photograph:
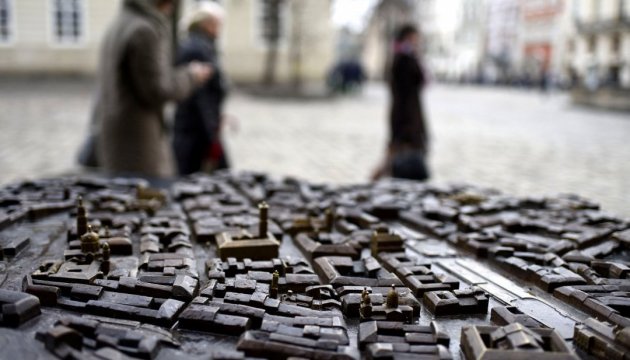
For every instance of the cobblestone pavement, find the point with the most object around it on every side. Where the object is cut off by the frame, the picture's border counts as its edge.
(517, 141)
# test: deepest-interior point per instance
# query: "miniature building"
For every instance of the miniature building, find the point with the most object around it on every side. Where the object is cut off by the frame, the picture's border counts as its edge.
(16, 308)
(392, 298)
(466, 301)
(384, 241)
(90, 241)
(602, 340)
(265, 246)
(513, 342)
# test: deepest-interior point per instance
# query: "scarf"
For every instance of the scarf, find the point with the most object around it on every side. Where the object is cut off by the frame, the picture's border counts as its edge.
(404, 47)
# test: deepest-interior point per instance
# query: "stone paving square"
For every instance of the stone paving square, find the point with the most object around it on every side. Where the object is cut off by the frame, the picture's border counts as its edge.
(518, 141)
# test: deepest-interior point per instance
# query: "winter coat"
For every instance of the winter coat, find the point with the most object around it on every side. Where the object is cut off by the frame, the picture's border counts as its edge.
(135, 80)
(198, 117)
(407, 125)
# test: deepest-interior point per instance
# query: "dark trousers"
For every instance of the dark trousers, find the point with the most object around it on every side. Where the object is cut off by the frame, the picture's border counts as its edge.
(190, 151)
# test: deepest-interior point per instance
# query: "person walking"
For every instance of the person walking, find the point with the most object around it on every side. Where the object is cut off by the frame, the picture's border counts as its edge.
(136, 79)
(408, 143)
(197, 132)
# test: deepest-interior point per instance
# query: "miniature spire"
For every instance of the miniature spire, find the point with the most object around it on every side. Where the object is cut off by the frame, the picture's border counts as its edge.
(330, 219)
(82, 221)
(90, 241)
(105, 265)
(274, 284)
(392, 298)
(366, 305)
(374, 244)
(106, 251)
(365, 294)
(263, 209)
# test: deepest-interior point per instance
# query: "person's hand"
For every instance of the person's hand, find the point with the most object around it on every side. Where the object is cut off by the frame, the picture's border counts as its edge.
(201, 72)
(230, 122)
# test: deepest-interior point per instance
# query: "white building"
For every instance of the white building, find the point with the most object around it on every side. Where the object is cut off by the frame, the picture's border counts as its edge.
(64, 36)
(458, 39)
(502, 17)
(545, 40)
(602, 46)
(52, 36)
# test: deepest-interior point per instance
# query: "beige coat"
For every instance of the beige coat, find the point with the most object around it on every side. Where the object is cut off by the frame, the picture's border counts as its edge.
(136, 79)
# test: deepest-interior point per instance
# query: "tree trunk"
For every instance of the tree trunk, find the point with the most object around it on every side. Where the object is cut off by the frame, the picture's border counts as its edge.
(271, 60)
(297, 39)
(271, 33)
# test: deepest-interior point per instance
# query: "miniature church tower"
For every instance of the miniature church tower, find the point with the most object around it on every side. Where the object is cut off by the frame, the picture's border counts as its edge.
(275, 277)
(392, 298)
(82, 221)
(90, 241)
(366, 305)
(263, 209)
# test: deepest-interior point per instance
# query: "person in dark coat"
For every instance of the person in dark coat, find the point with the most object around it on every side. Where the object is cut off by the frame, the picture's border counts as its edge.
(197, 139)
(408, 141)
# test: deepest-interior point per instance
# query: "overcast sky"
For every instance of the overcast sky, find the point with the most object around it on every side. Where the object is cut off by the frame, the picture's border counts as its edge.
(352, 13)
(355, 13)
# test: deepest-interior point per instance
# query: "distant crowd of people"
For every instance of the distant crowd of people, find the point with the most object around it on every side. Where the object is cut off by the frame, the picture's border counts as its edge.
(138, 77)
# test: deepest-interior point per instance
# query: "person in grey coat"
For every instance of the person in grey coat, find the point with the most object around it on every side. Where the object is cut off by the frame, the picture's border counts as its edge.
(196, 137)
(136, 79)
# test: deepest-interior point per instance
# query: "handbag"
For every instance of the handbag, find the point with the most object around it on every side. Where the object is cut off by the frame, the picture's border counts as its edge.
(409, 164)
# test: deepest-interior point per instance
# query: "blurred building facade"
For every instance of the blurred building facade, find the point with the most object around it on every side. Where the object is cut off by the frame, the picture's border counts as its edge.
(501, 44)
(52, 36)
(378, 36)
(456, 52)
(545, 42)
(511, 41)
(306, 46)
(602, 43)
(579, 44)
(63, 37)
(601, 63)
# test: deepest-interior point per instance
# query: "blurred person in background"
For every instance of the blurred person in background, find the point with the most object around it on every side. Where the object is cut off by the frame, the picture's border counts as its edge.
(347, 76)
(197, 137)
(408, 143)
(135, 80)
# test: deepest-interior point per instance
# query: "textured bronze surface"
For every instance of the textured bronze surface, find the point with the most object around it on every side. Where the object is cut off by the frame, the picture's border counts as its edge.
(238, 266)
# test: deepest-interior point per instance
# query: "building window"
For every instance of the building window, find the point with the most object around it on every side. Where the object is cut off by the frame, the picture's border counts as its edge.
(68, 21)
(272, 21)
(5, 21)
